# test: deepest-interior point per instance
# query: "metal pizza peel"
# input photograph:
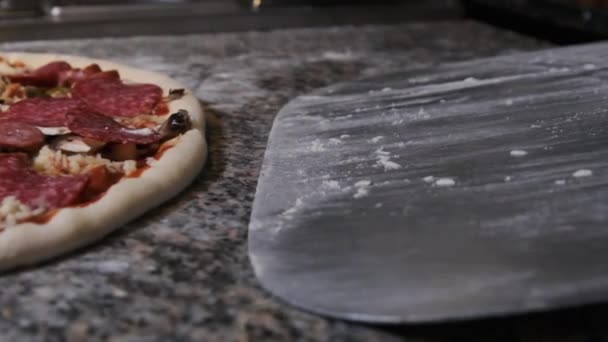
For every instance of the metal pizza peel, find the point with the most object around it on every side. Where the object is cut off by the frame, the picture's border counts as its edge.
(466, 190)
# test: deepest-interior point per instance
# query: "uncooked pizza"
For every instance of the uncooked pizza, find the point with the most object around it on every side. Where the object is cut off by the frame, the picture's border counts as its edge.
(85, 146)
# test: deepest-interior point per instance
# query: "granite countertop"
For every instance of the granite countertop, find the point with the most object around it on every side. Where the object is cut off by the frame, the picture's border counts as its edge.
(182, 273)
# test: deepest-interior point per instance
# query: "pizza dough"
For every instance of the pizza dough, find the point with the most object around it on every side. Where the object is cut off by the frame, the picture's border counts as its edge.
(76, 226)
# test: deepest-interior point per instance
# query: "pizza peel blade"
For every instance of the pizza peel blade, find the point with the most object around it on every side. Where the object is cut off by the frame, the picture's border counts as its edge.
(467, 190)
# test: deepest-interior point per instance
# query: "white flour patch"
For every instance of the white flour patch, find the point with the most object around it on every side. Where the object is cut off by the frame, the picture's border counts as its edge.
(386, 162)
(382, 152)
(518, 153)
(589, 67)
(507, 178)
(428, 179)
(362, 188)
(582, 173)
(317, 146)
(332, 185)
(361, 192)
(363, 183)
(445, 181)
(560, 182)
(375, 140)
(337, 56)
(423, 114)
(289, 212)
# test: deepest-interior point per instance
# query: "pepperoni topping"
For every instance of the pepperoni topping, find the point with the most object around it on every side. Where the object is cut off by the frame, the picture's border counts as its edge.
(69, 77)
(18, 136)
(45, 76)
(18, 179)
(112, 97)
(100, 127)
(43, 112)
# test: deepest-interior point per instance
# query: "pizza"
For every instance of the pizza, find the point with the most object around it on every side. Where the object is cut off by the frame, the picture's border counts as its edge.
(86, 146)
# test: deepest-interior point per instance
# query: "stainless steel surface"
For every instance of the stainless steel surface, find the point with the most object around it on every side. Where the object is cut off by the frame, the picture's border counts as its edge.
(112, 20)
(466, 190)
(132, 11)
(20, 5)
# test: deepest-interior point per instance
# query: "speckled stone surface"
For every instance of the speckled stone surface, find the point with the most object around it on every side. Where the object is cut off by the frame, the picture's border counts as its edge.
(182, 273)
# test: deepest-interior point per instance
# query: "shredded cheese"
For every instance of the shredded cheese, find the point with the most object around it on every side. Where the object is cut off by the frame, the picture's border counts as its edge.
(13, 211)
(55, 162)
(143, 121)
(10, 92)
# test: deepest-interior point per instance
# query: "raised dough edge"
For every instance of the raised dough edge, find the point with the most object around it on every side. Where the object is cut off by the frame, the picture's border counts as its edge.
(71, 228)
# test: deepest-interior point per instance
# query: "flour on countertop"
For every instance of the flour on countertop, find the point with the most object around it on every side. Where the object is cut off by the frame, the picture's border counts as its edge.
(375, 140)
(518, 153)
(582, 173)
(332, 184)
(317, 146)
(428, 179)
(363, 183)
(361, 192)
(362, 188)
(423, 114)
(289, 212)
(445, 181)
(382, 152)
(385, 162)
(337, 56)
(589, 66)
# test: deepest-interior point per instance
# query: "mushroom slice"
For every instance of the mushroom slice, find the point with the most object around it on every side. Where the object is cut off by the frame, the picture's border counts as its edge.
(175, 125)
(76, 144)
(175, 94)
(54, 130)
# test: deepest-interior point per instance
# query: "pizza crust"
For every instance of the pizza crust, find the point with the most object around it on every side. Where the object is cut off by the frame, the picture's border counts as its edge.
(70, 228)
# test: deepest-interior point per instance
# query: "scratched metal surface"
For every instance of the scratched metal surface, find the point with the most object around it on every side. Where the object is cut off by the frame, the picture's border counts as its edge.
(466, 190)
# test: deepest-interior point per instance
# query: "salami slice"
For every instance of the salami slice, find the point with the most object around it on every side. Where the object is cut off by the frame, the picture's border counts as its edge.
(43, 112)
(70, 77)
(45, 76)
(18, 136)
(18, 179)
(113, 97)
(103, 128)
